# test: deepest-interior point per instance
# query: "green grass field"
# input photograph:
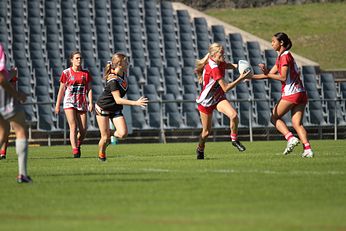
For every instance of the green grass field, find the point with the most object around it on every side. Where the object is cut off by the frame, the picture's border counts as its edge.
(318, 31)
(163, 187)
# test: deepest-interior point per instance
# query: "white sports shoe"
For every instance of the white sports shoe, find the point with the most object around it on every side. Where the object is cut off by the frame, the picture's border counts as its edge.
(290, 145)
(308, 153)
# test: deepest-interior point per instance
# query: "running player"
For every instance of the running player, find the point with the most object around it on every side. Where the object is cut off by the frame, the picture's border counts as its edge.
(294, 97)
(110, 103)
(211, 72)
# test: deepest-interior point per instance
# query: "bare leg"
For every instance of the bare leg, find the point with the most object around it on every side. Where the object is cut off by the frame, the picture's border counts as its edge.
(103, 123)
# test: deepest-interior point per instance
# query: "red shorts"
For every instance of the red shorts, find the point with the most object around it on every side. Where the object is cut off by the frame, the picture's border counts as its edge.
(206, 110)
(297, 98)
(209, 110)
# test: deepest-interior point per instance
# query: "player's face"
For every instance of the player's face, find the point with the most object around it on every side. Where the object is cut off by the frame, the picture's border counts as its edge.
(219, 56)
(124, 63)
(76, 60)
(276, 44)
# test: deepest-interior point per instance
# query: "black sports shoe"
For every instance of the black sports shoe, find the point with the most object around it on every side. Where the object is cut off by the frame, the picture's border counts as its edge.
(2, 157)
(24, 179)
(102, 157)
(200, 154)
(238, 145)
(77, 155)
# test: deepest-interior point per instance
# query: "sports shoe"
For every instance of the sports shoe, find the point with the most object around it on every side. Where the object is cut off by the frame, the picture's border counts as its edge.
(77, 155)
(2, 157)
(238, 145)
(308, 153)
(24, 179)
(200, 154)
(102, 157)
(290, 145)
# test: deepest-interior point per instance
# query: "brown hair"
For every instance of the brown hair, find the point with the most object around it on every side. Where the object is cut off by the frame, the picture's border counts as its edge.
(116, 60)
(73, 53)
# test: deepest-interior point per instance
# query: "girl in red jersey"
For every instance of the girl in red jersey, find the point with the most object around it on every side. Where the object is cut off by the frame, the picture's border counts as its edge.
(294, 96)
(110, 103)
(211, 71)
(74, 89)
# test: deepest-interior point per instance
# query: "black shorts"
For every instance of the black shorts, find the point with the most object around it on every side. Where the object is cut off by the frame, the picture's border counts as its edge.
(110, 114)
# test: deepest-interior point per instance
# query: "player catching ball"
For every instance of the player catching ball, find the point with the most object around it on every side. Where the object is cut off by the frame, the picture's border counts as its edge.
(294, 97)
(211, 71)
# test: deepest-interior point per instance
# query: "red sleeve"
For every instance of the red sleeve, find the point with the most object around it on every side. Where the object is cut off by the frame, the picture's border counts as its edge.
(217, 73)
(285, 60)
(63, 77)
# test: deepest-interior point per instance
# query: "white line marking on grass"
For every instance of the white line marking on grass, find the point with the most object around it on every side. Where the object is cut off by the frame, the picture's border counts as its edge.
(258, 171)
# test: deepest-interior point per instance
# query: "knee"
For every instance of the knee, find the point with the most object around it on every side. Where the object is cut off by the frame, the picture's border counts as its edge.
(234, 116)
(273, 119)
(120, 134)
(104, 139)
(205, 134)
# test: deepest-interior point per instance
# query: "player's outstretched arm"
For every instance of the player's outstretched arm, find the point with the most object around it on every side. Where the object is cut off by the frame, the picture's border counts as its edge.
(228, 86)
(142, 101)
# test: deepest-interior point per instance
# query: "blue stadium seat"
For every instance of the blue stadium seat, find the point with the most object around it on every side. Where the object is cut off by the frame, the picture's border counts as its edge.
(330, 94)
(270, 56)
(173, 115)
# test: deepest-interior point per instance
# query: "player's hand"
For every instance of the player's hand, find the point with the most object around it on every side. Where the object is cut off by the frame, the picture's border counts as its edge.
(142, 101)
(246, 75)
(57, 109)
(263, 68)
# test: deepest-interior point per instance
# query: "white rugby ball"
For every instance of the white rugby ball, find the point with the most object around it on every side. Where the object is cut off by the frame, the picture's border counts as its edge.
(244, 66)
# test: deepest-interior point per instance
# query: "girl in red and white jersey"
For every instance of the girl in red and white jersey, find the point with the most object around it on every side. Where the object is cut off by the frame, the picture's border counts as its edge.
(211, 72)
(294, 97)
(74, 88)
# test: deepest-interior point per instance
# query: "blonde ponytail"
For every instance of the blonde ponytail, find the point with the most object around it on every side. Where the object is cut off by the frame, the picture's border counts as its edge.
(200, 63)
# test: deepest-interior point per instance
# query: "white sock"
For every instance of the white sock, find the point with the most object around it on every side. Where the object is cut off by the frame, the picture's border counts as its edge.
(22, 152)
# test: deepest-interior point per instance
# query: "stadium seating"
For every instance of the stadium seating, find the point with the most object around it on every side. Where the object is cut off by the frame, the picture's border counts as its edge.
(329, 92)
(162, 43)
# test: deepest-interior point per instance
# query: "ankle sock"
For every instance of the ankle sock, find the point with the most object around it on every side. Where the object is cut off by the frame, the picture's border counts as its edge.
(289, 136)
(234, 137)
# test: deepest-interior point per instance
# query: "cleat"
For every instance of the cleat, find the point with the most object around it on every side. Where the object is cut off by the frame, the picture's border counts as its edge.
(2, 157)
(102, 157)
(24, 179)
(290, 145)
(200, 154)
(77, 155)
(308, 153)
(238, 145)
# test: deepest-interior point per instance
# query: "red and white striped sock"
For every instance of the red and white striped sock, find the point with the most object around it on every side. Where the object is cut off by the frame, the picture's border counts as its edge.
(234, 137)
(307, 146)
(288, 136)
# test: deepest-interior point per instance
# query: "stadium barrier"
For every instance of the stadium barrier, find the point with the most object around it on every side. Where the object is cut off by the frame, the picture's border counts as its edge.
(163, 130)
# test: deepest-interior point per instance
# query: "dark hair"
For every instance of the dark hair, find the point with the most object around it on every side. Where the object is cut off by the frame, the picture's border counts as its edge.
(73, 53)
(282, 37)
